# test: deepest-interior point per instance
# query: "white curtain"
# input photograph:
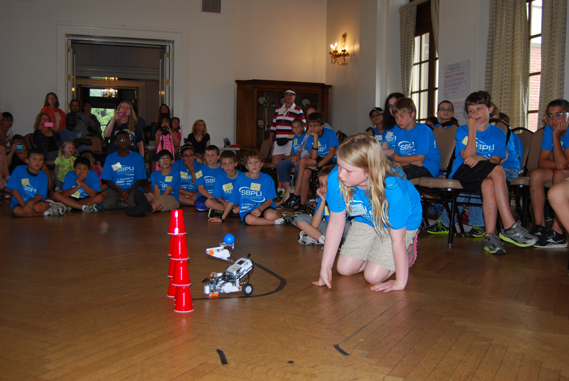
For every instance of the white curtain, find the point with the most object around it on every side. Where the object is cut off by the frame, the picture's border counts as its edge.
(507, 67)
(554, 21)
(408, 17)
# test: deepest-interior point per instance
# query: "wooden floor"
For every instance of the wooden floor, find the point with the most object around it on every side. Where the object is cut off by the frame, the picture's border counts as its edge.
(83, 297)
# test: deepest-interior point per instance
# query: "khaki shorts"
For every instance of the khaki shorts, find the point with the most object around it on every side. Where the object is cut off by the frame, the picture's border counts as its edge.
(363, 242)
(168, 202)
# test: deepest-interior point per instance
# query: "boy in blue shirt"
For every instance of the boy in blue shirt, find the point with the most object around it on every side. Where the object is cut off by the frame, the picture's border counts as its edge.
(224, 186)
(188, 168)
(480, 147)
(254, 193)
(165, 186)
(206, 176)
(29, 189)
(124, 172)
(445, 112)
(284, 167)
(555, 143)
(81, 188)
(416, 150)
(322, 143)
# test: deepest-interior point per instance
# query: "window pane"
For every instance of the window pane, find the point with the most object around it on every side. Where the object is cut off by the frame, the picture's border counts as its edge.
(416, 56)
(425, 76)
(424, 103)
(415, 78)
(533, 102)
(436, 73)
(533, 120)
(104, 115)
(415, 98)
(425, 47)
(535, 57)
(535, 27)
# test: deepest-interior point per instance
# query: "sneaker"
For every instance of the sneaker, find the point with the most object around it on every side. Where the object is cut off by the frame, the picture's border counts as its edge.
(56, 205)
(140, 199)
(280, 221)
(437, 228)
(67, 208)
(538, 230)
(293, 200)
(215, 213)
(136, 211)
(54, 211)
(280, 193)
(518, 235)
(306, 240)
(302, 209)
(322, 239)
(93, 208)
(493, 245)
(288, 218)
(552, 240)
(477, 232)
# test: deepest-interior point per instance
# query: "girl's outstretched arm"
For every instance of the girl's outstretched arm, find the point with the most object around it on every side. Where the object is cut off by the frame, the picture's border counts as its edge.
(334, 234)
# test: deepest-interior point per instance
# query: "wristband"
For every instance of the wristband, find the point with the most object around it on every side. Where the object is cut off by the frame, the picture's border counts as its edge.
(222, 219)
(315, 149)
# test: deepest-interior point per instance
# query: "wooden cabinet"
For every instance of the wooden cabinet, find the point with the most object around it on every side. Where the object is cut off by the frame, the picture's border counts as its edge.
(258, 99)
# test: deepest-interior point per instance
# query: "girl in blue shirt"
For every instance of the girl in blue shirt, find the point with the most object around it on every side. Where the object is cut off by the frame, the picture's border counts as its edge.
(386, 212)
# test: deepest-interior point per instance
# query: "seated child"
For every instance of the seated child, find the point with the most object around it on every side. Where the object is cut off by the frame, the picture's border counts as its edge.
(64, 162)
(81, 188)
(416, 150)
(28, 184)
(224, 185)
(322, 144)
(386, 211)
(188, 168)
(254, 194)
(165, 186)
(313, 228)
(289, 162)
(205, 177)
(555, 141)
(479, 149)
(124, 172)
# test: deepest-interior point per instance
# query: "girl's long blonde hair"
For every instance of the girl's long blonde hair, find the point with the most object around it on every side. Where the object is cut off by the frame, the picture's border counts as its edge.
(132, 119)
(363, 151)
(61, 154)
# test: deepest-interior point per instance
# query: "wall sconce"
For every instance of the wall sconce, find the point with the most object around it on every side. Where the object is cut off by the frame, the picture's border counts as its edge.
(339, 57)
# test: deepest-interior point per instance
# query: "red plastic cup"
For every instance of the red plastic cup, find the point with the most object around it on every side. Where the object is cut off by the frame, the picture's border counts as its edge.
(184, 303)
(181, 274)
(177, 225)
(179, 248)
(171, 268)
(171, 289)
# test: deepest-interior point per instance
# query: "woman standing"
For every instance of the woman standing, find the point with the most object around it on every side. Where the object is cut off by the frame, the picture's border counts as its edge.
(51, 108)
(125, 119)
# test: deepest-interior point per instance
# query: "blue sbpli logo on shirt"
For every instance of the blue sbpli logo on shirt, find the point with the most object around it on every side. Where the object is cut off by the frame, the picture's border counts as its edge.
(407, 146)
(252, 195)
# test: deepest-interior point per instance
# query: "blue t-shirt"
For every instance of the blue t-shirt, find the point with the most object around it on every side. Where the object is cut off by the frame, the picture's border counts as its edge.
(224, 185)
(172, 179)
(515, 152)
(29, 186)
(491, 142)
(186, 180)
(419, 141)
(404, 202)
(124, 171)
(206, 177)
(547, 141)
(296, 142)
(325, 142)
(391, 136)
(251, 193)
(326, 212)
(92, 182)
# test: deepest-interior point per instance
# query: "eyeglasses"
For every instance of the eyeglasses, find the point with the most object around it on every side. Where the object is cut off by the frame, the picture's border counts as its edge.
(166, 158)
(123, 140)
(376, 114)
(314, 124)
(557, 115)
(445, 110)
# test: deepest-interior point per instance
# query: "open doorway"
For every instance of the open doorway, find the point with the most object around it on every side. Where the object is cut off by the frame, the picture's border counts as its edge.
(109, 70)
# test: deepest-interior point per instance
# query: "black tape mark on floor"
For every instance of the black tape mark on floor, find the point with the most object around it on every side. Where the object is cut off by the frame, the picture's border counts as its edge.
(222, 357)
(341, 350)
(281, 285)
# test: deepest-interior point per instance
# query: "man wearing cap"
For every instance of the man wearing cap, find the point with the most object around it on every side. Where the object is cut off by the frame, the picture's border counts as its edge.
(281, 128)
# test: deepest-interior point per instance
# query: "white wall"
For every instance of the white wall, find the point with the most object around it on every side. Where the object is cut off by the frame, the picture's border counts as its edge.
(283, 41)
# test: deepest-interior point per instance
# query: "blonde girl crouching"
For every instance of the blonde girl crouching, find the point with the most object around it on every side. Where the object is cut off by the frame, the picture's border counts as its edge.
(386, 211)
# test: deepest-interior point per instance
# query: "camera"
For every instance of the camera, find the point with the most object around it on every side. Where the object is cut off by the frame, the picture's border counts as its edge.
(164, 131)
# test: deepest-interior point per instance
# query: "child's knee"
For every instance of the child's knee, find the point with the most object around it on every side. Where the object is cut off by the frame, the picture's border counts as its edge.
(271, 214)
(41, 207)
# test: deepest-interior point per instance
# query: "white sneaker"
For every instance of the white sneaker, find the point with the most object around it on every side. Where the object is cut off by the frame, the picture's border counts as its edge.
(280, 221)
(306, 240)
(54, 211)
(93, 208)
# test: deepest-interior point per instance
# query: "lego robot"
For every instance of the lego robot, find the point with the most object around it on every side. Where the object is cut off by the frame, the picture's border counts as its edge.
(231, 280)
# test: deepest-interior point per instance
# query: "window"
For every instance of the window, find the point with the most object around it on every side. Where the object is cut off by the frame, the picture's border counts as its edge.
(424, 76)
(534, 21)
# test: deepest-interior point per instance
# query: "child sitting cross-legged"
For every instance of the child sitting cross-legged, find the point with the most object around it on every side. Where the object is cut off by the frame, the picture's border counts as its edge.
(254, 194)
(224, 185)
(188, 168)
(314, 227)
(165, 186)
(81, 188)
(206, 176)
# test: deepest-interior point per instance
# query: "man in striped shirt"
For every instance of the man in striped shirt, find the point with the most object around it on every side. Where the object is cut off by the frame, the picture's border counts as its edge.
(281, 128)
